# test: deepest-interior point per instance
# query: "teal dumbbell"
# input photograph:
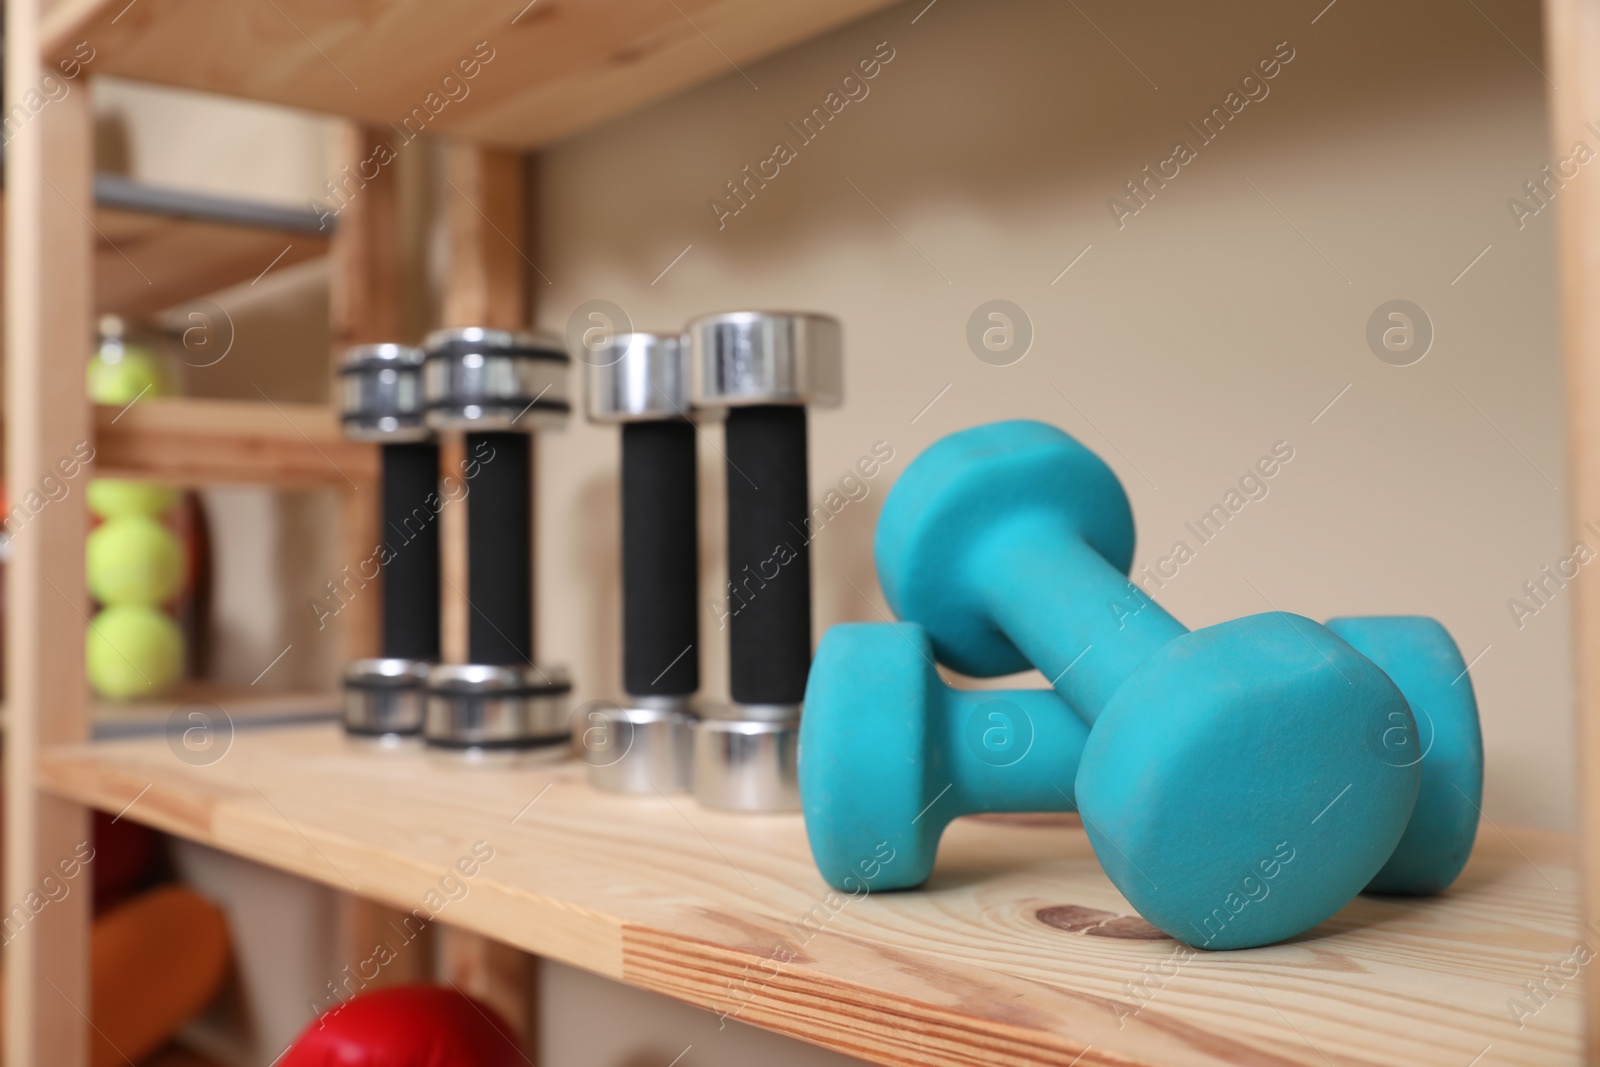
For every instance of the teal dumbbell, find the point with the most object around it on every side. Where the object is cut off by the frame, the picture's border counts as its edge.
(1420, 656)
(1238, 784)
(890, 754)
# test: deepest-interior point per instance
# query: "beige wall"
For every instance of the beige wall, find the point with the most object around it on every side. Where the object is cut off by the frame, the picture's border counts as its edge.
(213, 144)
(1221, 320)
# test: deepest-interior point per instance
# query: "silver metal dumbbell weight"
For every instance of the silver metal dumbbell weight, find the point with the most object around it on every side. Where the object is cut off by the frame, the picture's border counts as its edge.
(381, 401)
(640, 381)
(497, 387)
(763, 369)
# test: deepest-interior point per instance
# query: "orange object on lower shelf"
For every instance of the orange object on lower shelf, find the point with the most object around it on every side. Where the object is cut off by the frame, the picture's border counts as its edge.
(154, 963)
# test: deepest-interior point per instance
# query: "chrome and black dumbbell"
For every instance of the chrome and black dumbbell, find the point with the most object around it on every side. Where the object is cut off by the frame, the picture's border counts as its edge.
(382, 402)
(764, 369)
(641, 381)
(496, 387)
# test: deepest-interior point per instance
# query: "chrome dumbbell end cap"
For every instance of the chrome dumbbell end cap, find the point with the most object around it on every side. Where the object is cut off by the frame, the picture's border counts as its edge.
(478, 338)
(385, 696)
(638, 377)
(643, 748)
(746, 758)
(381, 396)
(766, 357)
(480, 379)
(479, 706)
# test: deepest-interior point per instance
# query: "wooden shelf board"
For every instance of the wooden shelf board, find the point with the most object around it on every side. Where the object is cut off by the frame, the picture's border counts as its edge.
(663, 895)
(556, 66)
(117, 193)
(245, 709)
(146, 263)
(209, 442)
(155, 248)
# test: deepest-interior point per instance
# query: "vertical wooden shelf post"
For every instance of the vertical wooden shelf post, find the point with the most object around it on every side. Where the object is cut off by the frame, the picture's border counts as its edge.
(365, 302)
(485, 206)
(49, 250)
(1572, 44)
(365, 307)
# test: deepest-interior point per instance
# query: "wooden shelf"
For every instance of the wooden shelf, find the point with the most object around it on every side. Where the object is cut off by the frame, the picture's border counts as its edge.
(245, 708)
(159, 247)
(667, 896)
(557, 67)
(209, 442)
(155, 247)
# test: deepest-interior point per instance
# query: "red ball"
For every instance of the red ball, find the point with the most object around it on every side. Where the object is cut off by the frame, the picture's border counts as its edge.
(407, 1026)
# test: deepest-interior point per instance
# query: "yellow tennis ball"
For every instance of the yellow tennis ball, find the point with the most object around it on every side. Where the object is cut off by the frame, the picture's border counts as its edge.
(133, 652)
(111, 498)
(133, 560)
(123, 374)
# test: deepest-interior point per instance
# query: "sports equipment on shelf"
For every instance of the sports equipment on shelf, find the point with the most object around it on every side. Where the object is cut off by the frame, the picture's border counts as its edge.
(407, 1026)
(132, 652)
(1214, 755)
(382, 402)
(496, 387)
(1423, 660)
(641, 381)
(764, 369)
(155, 961)
(890, 754)
(112, 498)
(133, 560)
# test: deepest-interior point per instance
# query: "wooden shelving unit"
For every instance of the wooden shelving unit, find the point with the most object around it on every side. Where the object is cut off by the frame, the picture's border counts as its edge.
(185, 245)
(181, 244)
(1019, 952)
(552, 70)
(230, 442)
(244, 709)
(61, 225)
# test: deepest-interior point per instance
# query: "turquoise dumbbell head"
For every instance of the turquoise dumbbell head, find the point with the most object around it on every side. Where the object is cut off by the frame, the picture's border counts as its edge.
(889, 754)
(1237, 785)
(862, 669)
(1423, 660)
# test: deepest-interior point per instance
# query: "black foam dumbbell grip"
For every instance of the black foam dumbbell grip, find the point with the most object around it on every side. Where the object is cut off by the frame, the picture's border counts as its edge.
(769, 561)
(660, 565)
(411, 531)
(499, 551)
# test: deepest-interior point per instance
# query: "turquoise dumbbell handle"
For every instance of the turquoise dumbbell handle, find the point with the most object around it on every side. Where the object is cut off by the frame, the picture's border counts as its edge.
(1103, 630)
(1012, 750)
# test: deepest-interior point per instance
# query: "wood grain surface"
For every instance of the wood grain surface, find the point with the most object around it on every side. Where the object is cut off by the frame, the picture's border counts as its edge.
(1572, 52)
(1019, 951)
(49, 257)
(145, 263)
(554, 66)
(194, 442)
